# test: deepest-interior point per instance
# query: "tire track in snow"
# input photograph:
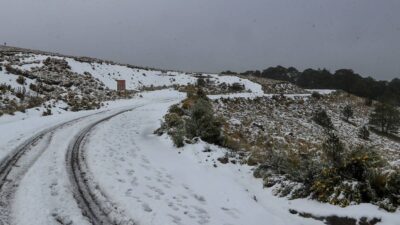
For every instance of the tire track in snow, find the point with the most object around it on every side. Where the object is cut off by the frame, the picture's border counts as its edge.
(92, 207)
(93, 202)
(14, 166)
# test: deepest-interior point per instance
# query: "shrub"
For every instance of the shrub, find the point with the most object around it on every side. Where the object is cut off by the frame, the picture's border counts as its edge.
(299, 167)
(322, 119)
(203, 124)
(21, 80)
(368, 102)
(363, 133)
(359, 161)
(173, 120)
(20, 93)
(333, 150)
(351, 180)
(201, 82)
(47, 112)
(316, 95)
(177, 110)
(347, 112)
(393, 189)
(339, 175)
(194, 119)
(236, 87)
(35, 102)
(178, 136)
(33, 87)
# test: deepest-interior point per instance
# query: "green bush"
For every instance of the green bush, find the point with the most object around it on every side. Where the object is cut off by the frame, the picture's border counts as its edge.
(202, 123)
(194, 119)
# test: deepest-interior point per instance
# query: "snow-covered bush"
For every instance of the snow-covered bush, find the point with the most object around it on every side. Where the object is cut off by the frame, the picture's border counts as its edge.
(341, 175)
(321, 118)
(347, 112)
(202, 123)
(363, 133)
(21, 80)
(316, 95)
(193, 118)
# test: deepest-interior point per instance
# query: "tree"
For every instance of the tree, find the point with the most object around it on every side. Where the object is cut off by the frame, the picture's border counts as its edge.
(385, 117)
(322, 119)
(363, 133)
(347, 112)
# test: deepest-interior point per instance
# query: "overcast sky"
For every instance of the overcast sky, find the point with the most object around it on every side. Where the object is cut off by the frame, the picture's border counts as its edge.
(214, 35)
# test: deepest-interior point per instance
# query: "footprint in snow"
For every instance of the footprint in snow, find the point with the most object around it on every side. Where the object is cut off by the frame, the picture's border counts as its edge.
(175, 219)
(128, 192)
(134, 182)
(199, 198)
(145, 166)
(231, 212)
(146, 207)
(121, 181)
(130, 172)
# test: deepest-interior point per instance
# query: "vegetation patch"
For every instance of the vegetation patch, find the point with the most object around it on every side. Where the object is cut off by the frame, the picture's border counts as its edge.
(318, 147)
(191, 119)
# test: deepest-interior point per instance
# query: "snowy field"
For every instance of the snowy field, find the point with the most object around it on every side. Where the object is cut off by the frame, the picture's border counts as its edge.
(144, 178)
(139, 176)
(154, 183)
(136, 78)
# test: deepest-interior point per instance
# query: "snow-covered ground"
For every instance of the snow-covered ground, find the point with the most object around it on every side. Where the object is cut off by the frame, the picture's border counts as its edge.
(147, 179)
(144, 176)
(153, 182)
(135, 78)
(44, 194)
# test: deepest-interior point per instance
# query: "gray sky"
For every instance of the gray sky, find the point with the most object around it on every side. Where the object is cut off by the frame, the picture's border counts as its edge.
(214, 35)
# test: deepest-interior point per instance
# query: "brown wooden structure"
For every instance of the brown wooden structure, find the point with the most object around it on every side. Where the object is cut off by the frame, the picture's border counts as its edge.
(121, 87)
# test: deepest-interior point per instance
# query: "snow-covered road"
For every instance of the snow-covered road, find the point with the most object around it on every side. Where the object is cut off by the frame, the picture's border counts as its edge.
(140, 178)
(35, 187)
(147, 179)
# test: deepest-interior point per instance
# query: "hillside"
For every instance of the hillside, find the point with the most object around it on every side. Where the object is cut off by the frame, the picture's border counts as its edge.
(184, 148)
(53, 82)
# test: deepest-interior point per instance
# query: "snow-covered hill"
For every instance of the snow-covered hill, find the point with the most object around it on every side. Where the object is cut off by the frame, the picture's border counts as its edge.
(96, 159)
(50, 82)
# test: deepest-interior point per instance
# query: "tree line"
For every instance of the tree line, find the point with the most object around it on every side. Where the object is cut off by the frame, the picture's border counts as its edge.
(343, 79)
